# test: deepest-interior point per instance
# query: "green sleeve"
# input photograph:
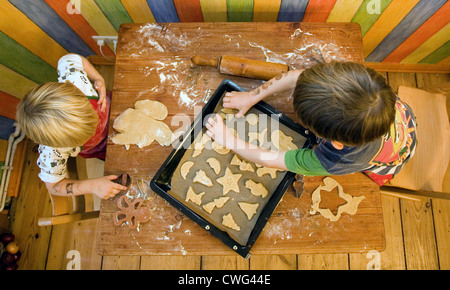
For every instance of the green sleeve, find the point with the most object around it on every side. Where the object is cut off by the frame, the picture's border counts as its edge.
(304, 161)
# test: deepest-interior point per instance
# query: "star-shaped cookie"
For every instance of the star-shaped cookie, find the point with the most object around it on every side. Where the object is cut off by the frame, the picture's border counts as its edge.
(229, 181)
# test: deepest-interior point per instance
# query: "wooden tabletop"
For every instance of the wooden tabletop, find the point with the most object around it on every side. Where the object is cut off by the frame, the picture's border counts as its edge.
(153, 62)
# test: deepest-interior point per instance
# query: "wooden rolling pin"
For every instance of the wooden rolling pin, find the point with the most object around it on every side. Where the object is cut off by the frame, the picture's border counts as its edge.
(244, 67)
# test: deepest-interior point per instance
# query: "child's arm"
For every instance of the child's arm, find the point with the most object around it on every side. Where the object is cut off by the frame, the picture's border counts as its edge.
(97, 79)
(102, 187)
(222, 135)
(243, 101)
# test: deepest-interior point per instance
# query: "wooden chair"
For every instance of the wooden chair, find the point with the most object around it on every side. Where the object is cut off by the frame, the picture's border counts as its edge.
(427, 174)
(77, 208)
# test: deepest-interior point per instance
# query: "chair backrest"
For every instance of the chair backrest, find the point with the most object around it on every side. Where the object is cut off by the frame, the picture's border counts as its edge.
(427, 168)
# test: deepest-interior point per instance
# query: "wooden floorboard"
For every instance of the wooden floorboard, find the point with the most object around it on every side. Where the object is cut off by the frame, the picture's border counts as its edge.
(417, 233)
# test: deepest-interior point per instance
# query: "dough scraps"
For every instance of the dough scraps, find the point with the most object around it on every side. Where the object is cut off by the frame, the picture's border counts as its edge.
(252, 119)
(202, 178)
(200, 145)
(192, 196)
(229, 181)
(214, 164)
(267, 170)
(257, 189)
(185, 168)
(350, 207)
(243, 166)
(281, 141)
(228, 221)
(249, 208)
(141, 126)
(218, 202)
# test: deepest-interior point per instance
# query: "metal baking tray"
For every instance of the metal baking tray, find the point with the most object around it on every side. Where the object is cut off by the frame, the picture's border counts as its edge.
(162, 181)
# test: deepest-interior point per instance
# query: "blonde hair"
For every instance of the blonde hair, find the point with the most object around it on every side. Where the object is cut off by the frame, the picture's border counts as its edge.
(57, 115)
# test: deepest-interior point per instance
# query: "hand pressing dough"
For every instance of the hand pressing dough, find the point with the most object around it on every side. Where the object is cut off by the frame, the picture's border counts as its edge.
(281, 141)
(229, 181)
(249, 208)
(257, 189)
(141, 126)
(192, 196)
(267, 170)
(214, 164)
(218, 202)
(202, 178)
(243, 166)
(228, 221)
(185, 168)
(350, 207)
(200, 145)
(252, 119)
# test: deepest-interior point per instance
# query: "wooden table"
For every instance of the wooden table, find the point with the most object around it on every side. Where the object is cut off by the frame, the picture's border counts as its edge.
(153, 62)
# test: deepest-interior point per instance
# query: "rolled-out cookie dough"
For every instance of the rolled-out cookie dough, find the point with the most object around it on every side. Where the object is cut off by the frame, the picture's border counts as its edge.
(218, 202)
(141, 126)
(257, 189)
(185, 168)
(249, 208)
(202, 178)
(350, 207)
(260, 137)
(228, 221)
(281, 141)
(229, 181)
(192, 196)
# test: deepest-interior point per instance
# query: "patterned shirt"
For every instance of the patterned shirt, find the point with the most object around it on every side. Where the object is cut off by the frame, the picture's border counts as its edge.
(53, 161)
(380, 159)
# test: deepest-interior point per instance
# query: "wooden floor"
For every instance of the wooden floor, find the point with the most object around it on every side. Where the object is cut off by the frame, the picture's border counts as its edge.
(417, 233)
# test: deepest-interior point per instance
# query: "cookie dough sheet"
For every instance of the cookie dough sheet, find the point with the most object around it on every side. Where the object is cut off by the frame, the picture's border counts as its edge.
(180, 186)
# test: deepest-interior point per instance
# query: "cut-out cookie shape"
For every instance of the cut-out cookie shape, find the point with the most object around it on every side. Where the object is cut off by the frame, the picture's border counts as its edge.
(281, 141)
(229, 181)
(249, 208)
(219, 148)
(243, 166)
(185, 168)
(202, 178)
(214, 164)
(257, 189)
(218, 202)
(141, 126)
(200, 145)
(350, 207)
(260, 137)
(192, 196)
(228, 221)
(252, 119)
(267, 170)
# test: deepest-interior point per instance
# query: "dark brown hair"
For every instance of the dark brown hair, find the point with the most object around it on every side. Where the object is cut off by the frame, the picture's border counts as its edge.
(344, 102)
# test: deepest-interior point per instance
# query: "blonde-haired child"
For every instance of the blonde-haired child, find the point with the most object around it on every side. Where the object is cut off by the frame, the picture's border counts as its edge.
(66, 119)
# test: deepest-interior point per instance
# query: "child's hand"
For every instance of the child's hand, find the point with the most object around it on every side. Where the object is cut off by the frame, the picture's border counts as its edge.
(219, 132)
(242, 101)
(101, 89)
(104, 188)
